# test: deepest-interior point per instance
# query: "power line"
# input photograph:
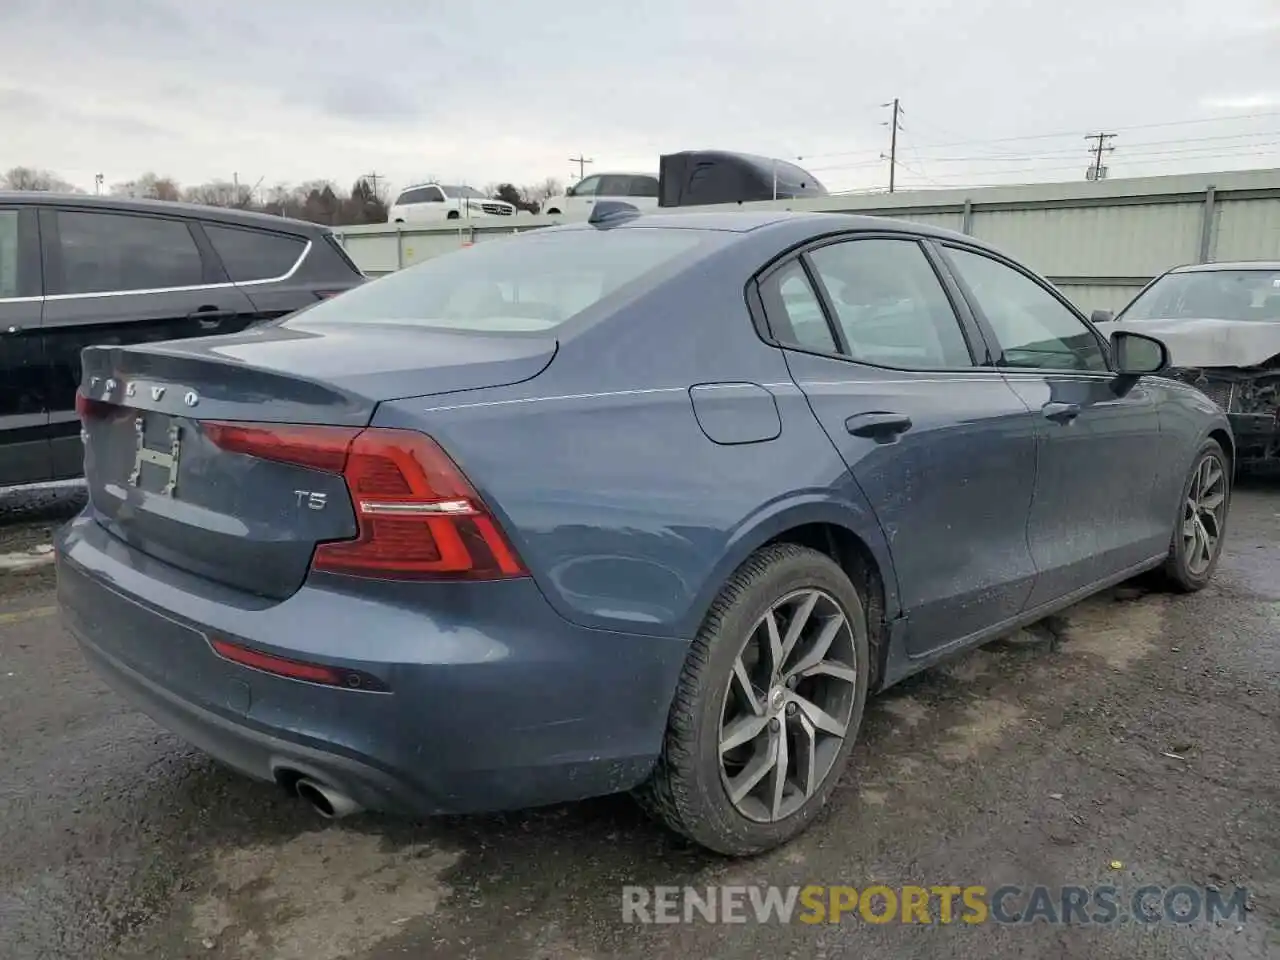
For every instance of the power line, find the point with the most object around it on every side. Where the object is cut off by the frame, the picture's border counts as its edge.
(1058, 134)
(582, 162)
(1098, 171)
(894, 127)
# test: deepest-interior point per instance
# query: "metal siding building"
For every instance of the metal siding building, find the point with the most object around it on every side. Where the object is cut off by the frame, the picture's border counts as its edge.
(1098, 241)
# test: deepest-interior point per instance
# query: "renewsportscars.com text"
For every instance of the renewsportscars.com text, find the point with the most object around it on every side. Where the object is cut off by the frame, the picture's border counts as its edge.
(940, 904)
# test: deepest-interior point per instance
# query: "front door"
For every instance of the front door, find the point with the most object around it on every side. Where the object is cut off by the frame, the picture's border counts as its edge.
(1096, 513)
(24, 418)
(122, 278)
(941, 448)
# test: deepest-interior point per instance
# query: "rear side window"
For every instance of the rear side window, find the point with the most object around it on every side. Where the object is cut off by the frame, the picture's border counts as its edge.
(420, 195)
(108, 252)
(794, 310)
(8, 253)
(644, 186)
(254, 254)
(531, 282)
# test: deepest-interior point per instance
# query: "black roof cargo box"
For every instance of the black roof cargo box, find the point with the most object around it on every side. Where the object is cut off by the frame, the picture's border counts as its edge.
(695, 177)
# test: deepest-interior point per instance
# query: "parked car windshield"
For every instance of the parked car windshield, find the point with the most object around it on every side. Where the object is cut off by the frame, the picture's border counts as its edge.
(456, 193)
(1210, 294)
(532, 282)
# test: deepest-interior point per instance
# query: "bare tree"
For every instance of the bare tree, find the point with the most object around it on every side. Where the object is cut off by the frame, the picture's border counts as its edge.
(220, 193)
(150, 187)
(29, 178)
(541, 192)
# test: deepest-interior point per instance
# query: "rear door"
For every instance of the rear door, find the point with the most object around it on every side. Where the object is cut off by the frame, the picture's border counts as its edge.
(1099, 452)
(891, 363)
(120, 277)
(24, 416)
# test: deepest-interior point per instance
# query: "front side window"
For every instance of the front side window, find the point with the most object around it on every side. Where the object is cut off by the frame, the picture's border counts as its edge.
(1034, 329)
(9, 285)
(416, 195)
(254, 254)
(587, 188)
(1210, 295)
(890, 305)
(107, 252)
(530, 282)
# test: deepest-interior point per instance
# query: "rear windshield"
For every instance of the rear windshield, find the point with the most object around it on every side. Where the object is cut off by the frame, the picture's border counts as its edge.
(530, 282)
(1210, 295)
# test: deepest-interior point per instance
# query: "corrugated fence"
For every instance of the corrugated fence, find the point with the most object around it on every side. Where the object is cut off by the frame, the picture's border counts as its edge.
(1098, 241)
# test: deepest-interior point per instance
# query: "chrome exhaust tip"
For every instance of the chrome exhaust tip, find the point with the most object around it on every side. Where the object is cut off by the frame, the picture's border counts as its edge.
(325, 800)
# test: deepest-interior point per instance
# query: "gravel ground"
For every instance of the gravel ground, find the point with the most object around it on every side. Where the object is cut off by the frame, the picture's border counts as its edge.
(1044, 758)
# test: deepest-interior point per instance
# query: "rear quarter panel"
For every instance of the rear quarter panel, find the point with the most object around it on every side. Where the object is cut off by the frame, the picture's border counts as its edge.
(629, 517)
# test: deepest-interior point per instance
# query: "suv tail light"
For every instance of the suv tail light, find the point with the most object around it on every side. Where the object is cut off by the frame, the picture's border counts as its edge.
(418, 516)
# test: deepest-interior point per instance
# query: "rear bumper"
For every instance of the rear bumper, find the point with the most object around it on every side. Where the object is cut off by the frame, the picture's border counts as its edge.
(496, 702)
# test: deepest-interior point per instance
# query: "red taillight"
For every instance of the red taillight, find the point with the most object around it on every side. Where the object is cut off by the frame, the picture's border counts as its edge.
(87, 409)
(418, 516)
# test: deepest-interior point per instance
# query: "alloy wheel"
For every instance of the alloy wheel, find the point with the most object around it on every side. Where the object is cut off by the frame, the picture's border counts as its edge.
(1203, 514)
(788, 705)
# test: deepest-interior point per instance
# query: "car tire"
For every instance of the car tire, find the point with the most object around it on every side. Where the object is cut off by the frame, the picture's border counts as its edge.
(1202, 512)
(451, 215)
(706, 793)
(553, 213)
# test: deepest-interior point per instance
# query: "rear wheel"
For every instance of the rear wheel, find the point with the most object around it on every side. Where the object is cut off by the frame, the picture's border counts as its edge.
(768, 706)
(1202, 517)
(451, 215)
(552, 212)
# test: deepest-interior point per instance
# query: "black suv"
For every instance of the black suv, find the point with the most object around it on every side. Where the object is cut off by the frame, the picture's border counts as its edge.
(78, 270)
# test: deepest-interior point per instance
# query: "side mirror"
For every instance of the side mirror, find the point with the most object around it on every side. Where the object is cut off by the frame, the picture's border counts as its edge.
(1101, 316)
(1136, 354)
(568, 191)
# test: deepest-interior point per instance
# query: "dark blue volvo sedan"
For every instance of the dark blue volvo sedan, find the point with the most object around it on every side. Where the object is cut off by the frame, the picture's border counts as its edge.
(649, 503)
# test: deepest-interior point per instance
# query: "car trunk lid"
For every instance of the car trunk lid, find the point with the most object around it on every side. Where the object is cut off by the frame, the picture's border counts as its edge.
(160, 481)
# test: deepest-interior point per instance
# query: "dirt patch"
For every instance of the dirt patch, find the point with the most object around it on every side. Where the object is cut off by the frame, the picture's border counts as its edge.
(1118, 633)
(983, 724)
(905, 710)
(318, 896)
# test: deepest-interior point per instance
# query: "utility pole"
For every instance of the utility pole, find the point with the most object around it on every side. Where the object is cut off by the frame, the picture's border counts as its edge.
(582, 162)
(1102, 145)
(373, 179)
(97, 183)
(894, 127)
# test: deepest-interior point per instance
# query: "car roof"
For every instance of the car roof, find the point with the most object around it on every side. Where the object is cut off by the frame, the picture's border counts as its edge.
(618, 173)
(743, 221)
(1228, 265)
(228, 215)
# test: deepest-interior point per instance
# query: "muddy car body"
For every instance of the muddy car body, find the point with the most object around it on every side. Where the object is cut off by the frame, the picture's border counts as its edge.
(1221, 323)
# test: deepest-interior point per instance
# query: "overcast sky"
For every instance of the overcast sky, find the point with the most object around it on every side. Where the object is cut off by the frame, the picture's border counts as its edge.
(489, 90)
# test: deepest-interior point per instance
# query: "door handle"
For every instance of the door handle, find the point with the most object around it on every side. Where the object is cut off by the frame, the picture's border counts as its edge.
(209, 317)
(1061, 412)
(883, 427)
